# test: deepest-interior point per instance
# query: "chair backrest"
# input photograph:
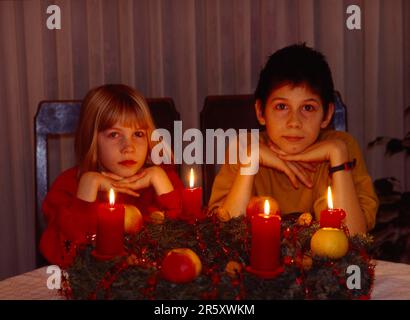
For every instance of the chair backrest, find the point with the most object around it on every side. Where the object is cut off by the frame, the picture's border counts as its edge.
(224, 112)
(238, 112)
(61, 118)
(339, 121)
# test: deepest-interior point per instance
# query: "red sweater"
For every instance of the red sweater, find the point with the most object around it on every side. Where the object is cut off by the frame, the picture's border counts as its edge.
(70, 220)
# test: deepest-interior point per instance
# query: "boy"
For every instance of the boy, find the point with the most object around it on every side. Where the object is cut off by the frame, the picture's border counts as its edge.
(294, 100)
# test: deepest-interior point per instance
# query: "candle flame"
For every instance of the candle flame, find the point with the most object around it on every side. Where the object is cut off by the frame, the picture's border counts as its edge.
(191, 178)
(266, 208)
(112, 197)
(329, 198)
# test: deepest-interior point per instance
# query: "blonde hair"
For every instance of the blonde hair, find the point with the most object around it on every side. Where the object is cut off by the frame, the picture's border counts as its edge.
(101, 109)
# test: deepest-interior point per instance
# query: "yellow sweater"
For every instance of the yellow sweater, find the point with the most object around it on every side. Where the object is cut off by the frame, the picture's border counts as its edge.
(270, 182)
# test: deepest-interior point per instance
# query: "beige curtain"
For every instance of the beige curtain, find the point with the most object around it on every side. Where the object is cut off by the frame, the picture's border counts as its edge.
(184, 49)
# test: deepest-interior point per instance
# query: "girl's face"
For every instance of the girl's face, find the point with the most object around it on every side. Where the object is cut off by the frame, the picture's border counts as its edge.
(122, 150)
(293, 116)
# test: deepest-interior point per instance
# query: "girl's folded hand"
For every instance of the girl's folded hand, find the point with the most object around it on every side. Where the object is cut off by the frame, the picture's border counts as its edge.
(152, 176)
(126, 185)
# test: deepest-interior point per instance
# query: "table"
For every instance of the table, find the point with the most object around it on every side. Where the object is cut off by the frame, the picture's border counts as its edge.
(392, 281)
(28, 286)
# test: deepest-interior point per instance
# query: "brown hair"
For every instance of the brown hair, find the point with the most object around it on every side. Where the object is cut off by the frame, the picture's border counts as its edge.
(101, 109)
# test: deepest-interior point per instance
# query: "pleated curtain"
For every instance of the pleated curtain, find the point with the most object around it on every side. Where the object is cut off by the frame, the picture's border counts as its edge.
(184, 49)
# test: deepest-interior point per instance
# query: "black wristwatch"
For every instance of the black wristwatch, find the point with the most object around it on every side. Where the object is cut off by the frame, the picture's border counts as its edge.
(344, 166)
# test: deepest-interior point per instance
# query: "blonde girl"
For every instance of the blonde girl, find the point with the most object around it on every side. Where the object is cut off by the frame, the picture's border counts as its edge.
(112, 146)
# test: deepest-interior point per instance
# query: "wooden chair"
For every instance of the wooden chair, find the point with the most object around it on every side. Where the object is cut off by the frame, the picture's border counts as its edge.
(238, 112)
(224, 112)
(61, 118)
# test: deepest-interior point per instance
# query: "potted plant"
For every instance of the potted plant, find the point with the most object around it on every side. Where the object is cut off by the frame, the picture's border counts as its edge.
(392, 230)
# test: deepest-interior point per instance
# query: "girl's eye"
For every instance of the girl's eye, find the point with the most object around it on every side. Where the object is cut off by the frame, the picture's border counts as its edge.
(113, 134)
(139, 134)
(280, 106)
(309, 108)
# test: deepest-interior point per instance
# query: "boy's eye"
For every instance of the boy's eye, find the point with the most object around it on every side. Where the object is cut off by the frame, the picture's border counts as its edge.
(139, 134)
(309, 107)
(280, 106)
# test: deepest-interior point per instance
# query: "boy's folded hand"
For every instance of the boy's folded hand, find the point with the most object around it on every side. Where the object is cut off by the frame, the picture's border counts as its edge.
(295, 172)
(310, 166)
(334, 151)
(300, 169)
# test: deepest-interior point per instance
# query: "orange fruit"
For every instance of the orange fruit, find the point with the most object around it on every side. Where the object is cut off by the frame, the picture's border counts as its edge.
(233, 268)
(305, 219)
(223, 215)
(305, 262)
(329, 242)
(133, 219)
(157, 217)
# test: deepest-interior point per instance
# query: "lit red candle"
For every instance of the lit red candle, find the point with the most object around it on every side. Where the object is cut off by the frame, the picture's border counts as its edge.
(265, 244)
(110, 229)
(192, 199)
(331, 218)
(256, 206)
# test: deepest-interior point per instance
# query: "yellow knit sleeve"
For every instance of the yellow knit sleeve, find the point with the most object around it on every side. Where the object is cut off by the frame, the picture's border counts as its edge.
(222, 185)
(363, 182)
(226, 176)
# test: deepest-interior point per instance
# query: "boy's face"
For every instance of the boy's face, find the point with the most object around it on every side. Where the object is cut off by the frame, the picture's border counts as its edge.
(293, 116)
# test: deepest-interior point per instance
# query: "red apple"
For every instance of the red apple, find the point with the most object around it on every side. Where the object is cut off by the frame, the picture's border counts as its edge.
(181, 265)
(132, 220)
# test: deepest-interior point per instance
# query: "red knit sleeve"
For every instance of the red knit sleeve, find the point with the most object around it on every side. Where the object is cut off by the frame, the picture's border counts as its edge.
(171, 202)
(69, 220)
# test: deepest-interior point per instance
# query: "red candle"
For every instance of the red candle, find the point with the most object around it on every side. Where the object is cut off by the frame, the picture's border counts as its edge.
(331, 218)
(192, 199)
(265, 244)
(110, 229)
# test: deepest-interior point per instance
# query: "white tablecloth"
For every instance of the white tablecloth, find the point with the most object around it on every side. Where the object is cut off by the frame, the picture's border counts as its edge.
(392, 281)
(28, 286)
